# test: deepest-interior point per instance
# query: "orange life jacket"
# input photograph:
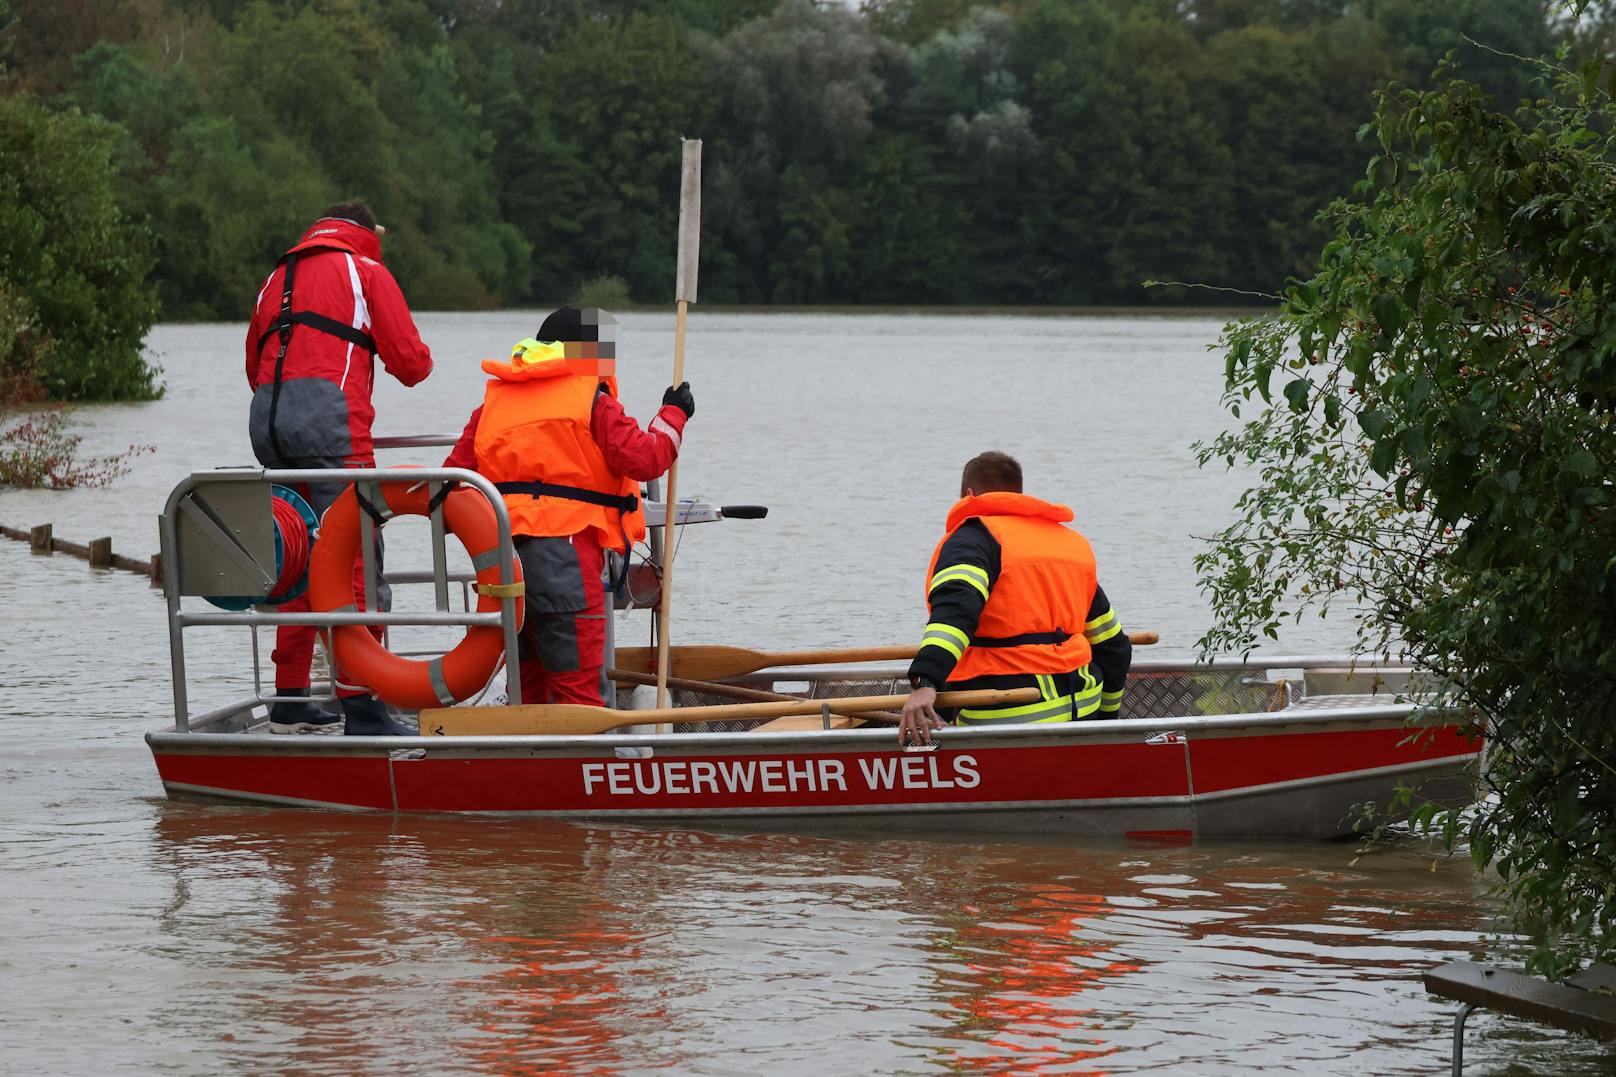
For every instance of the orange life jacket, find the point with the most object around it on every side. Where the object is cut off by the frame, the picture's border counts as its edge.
(1042, 596)
(533, 442)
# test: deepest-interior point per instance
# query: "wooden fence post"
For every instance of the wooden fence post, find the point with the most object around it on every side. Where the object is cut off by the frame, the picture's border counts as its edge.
(39, 539)
(101, 552)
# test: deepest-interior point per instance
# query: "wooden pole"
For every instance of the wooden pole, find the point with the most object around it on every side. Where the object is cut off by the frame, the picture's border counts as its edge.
(684, 293)
(727, 691)
(560, 719)
(717, 663)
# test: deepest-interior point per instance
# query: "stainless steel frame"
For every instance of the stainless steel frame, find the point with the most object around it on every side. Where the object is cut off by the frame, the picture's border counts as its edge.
(179, 619)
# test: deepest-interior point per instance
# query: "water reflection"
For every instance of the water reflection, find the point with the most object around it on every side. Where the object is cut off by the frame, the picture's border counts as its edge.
(326, 943)
(1017, 984)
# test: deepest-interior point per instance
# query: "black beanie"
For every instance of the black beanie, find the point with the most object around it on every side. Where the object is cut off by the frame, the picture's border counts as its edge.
(566, 324)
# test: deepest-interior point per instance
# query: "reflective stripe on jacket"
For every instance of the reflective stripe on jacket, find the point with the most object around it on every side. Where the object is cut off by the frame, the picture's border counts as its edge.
(1035, 617)
(535, 428)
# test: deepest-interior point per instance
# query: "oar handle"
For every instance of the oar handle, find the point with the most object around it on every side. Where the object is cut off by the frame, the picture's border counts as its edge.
(894, 653)
(543, 719)
(841, 654)
(730, 691)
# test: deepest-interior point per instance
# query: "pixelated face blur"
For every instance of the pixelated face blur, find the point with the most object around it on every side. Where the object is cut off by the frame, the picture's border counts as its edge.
(602, 352)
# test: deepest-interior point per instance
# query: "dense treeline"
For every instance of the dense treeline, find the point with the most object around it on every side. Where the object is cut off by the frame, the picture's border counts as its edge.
(909, 151)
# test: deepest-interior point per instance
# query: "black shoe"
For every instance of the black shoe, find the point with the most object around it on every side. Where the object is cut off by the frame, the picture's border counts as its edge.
(366, 716)
(299, 717)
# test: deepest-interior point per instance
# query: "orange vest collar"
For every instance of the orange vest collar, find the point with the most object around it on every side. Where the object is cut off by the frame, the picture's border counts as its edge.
(1004, 503)
(533, 360)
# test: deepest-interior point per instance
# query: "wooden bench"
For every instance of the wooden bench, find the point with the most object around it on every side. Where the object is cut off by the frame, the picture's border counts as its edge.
(1585, 1003)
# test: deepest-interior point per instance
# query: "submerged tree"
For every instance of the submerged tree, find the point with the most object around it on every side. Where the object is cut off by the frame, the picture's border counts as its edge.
(1440, 456)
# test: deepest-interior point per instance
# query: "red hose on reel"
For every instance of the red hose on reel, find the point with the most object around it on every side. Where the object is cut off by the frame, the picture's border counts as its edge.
(294, 536)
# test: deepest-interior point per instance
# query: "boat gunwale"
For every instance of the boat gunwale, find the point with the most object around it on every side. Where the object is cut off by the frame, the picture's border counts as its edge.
(1114, 729)
(1155, 664)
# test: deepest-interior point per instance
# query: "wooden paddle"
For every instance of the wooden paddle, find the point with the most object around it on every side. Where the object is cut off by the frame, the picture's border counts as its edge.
(684, 294)
(732, 691)
(704, 663)
(559, 719)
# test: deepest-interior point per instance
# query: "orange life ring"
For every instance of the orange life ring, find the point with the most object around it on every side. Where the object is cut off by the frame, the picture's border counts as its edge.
(361, 658)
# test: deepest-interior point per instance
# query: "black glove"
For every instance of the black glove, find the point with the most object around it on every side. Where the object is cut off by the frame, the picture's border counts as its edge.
(681, 398)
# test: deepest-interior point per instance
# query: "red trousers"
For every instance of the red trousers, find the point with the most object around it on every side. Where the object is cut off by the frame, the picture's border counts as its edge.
(294, 644)
(563, 640)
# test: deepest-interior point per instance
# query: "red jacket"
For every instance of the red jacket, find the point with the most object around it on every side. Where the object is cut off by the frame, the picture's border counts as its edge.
(322, 413)
(638, 454)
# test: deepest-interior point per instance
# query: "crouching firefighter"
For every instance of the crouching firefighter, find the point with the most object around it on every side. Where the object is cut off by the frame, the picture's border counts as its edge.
(1015, 603)
(552, 436)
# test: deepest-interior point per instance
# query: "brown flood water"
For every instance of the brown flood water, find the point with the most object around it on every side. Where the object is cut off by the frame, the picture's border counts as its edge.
(143, 936)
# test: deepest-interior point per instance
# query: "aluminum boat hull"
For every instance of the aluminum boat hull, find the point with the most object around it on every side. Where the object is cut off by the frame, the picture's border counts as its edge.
(1281, 774)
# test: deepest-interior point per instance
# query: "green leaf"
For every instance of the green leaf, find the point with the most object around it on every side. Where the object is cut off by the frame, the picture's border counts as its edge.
(1384, 455)
(1388, 313)
(1296, 393)
(1580, 465)
(1372, 422)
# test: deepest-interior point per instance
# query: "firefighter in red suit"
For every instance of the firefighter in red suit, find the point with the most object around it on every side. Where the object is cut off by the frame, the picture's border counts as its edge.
(552, 436)
(325, 315)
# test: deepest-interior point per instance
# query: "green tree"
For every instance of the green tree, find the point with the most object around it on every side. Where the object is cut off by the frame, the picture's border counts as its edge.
(1440, 457)
(75, 304)
(1130, 162)
(592, 165)
(797, 94)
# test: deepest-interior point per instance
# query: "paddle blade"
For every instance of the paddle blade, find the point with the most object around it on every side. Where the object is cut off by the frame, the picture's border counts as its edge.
(697, 663)
(537, 719)
(684, 285)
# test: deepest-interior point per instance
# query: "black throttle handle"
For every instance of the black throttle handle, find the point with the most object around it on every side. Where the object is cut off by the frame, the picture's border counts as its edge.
(743, 512)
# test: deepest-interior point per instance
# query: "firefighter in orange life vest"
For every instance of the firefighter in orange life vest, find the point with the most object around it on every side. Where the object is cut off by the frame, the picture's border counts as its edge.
(1014, 604)
(553, 438)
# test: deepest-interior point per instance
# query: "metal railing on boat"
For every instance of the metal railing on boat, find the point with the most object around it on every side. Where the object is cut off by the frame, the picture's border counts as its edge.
(179, 619)
(440, 576)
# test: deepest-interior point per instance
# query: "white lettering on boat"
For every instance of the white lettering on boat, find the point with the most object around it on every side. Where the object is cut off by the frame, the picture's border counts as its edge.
(770, 769)
(831, 770)
(738, 776)
(965, 775)
(880, 772)
(651, 777)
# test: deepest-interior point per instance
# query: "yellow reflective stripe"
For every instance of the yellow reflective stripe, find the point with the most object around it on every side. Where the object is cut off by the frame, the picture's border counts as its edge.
(947, 637)
(1102, 636)
(1059, 710)
(1105, 618)
(976, 577)
(1112, 697)
(1052, 708)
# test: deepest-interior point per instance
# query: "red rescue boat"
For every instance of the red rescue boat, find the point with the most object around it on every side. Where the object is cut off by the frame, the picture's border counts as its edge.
(1263, 747)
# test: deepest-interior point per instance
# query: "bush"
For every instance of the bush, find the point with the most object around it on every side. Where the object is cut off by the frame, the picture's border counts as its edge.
(75, 299)
(607, 293)
(37, 451)
(1440, 456)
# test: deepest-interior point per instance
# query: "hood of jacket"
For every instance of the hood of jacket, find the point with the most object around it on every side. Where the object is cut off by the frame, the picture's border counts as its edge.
(335, 232)
(1004, 503)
